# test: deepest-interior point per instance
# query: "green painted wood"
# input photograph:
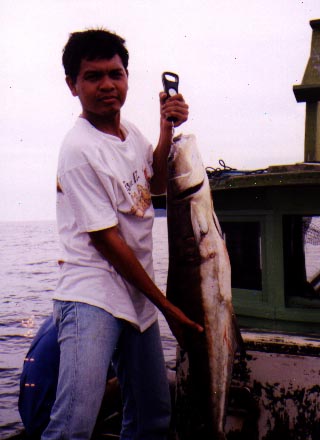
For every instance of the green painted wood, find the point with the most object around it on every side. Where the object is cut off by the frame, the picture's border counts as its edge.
(283, 190)
(298, 194)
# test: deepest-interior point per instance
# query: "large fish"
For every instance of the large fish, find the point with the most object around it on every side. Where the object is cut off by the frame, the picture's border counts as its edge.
(199, 282)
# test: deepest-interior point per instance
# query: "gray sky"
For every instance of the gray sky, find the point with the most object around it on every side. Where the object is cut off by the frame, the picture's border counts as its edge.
(237, 62)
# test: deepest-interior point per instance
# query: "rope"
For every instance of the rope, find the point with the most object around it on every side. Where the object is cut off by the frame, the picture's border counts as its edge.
(225, 171)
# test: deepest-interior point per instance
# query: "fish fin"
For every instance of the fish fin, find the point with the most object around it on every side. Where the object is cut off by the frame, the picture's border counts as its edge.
(217, 224)
(199, 222)
(237, 335)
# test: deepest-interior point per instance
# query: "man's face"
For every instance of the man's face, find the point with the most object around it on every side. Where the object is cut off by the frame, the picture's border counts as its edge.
(101, 86)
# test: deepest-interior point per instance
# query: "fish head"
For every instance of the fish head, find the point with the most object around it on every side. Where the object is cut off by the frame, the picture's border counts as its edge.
(185, 167)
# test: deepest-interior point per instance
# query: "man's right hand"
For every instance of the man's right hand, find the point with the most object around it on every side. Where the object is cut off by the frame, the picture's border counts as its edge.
(180, 324)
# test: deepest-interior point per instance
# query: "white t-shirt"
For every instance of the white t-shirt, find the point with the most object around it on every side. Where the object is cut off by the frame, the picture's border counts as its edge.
(103, 182)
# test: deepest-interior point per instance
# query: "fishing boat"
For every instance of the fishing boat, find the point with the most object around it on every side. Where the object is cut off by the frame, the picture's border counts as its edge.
(271, 222)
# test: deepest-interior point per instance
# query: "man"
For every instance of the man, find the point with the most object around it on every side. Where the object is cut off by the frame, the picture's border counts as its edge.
(105, 299)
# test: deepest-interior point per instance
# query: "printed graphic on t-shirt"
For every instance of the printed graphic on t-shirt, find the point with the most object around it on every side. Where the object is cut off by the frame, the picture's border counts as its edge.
(140, 194)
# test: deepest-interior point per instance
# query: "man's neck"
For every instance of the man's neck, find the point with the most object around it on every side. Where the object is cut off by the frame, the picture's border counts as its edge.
(106, 125)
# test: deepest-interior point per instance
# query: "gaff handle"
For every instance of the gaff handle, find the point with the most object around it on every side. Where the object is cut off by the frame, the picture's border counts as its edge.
(170, 83)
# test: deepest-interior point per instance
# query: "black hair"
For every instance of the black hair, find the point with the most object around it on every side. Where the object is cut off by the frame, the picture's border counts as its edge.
(90, 45)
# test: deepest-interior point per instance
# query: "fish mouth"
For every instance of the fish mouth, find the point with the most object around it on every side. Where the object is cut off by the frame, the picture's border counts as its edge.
(186, 173)
(189, 191)
(177, 138)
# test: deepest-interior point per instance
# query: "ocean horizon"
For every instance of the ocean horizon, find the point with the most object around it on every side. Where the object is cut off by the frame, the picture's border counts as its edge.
(30, 251)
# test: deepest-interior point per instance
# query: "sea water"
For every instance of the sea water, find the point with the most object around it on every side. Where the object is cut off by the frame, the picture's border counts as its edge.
(28, 253)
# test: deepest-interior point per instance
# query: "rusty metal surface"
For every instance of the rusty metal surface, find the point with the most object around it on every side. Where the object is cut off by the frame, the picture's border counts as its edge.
(287, 393)
(275, 391)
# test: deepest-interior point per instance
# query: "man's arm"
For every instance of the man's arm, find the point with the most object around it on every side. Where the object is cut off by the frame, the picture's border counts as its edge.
(176, 107)
(112, 246)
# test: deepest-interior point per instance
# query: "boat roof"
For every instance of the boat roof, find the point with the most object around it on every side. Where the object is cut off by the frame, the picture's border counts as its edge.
(299, 174)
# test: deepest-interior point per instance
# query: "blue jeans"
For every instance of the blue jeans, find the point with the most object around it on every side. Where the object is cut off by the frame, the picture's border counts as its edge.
(89, 339)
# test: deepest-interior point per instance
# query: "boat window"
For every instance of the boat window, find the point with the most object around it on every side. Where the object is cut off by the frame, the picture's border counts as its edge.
(243, 240)
(301, 236)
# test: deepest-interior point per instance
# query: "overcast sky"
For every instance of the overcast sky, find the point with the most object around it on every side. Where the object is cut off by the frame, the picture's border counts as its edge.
(237, 61)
